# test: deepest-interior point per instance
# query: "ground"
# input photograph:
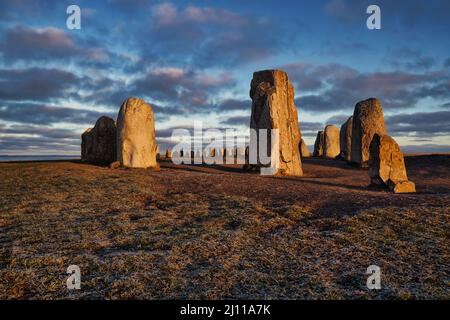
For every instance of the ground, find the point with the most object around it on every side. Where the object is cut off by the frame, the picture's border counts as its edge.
(216, 232)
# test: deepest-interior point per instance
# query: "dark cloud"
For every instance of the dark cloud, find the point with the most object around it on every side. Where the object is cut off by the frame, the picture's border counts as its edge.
(233, 104)
(309, 129)
(41, 131)
(22, 43)
(337, 120)
(35, 145)
(422, 124)
(36, 84)
(409, 59)
(447, 63)
(335, 87)
(207, 36)
(237, 121)
(189, 90)
(412, 14)
(46, 115)
(27, 43)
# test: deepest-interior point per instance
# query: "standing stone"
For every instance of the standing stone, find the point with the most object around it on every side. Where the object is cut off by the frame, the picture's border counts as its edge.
(86, 145)
(136, 146)
(387, 165)
(368, 119)
(273, 107)
(331, 147)
(304, 151)
(104, 141)
(345, 139)
(318, 145)
(168, 153)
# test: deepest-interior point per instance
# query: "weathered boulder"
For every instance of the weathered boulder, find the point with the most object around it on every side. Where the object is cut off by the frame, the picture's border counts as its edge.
(345, 139)
(387, 165)
(136, 146)
(404, 187)
(304, 152)
(273, 107)
(368, 119)
(104, 141)
(331, 146)
(318, 145)
(98, 145)
(86, 145)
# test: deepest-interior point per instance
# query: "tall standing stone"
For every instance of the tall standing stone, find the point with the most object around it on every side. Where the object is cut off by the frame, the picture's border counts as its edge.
(345, 139)
(273, 107)
(98, 145)
(168, 153)
(104, 141)
(136, 146)
(387, 165)
(318, 145)
(304, 151)
(331, 146)
(368, 119)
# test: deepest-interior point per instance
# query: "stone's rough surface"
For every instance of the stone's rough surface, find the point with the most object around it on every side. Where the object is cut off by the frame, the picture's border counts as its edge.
(404, 187)
(104, 141)
(368, 119)
(331, 147)
(136, 146)
(273, 107)
(387, 165)
(345, 139)
(304, 152)
(98, 145)
(318, 145)
(86, 145)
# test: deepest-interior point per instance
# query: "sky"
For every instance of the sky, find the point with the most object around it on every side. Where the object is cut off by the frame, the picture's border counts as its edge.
(194, 60)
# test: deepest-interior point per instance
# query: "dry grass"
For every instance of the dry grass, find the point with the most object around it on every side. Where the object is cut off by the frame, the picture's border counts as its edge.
(202, 234)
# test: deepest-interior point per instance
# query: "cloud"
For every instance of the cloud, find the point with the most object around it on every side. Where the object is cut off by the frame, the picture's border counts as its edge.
(32, 113)
(187, 87)
(205, 36)
(409, 59)
(447, 63)
(237, 121)
(337, 120)
(335, 87)
(233, 104)
(25, 43)
(37, 145)
(51, 44)
(36, 84)
(411, 14)
(40, 131)
(343, 10)
(422, 124)
(426, 148)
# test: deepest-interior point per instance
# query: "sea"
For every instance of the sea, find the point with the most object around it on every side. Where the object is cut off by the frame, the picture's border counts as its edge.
(14, 158)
